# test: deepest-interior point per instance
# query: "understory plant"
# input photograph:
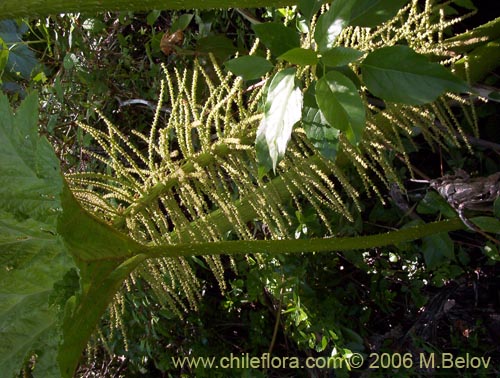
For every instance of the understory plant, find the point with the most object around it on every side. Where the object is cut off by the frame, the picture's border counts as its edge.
(246, 150)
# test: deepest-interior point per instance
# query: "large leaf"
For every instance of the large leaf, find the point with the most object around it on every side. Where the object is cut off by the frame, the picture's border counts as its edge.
(341, 104)
(318, 130)
(300, 56)
(369, 13)
(437, 250)
(399, 74)
(330, 24)
(218, 45)
(21, 59)
(277, 37)
(32, 255)
(4, 57)
(309, 8)
(340, 56)
(249, 67)
(283, 110)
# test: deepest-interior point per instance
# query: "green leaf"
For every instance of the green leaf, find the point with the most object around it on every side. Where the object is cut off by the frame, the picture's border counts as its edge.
(491, 251)
(30, 180)
(218, 45)
(318, 131)
(340, 56)
(32, 255)
(153, 16)
(300, 56)
(433, 203)
(277, 37)
(399, 74)
(21, 59)
(282, 110)
(341, 104)
(437, 250)
(309, 8)
(369, 13)
(330, 24)
(496, 208)
(181, 23)
(249, 67)
(487, 224)
(4, 57)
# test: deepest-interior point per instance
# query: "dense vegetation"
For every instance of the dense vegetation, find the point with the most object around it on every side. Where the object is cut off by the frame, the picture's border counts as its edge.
(314, 180)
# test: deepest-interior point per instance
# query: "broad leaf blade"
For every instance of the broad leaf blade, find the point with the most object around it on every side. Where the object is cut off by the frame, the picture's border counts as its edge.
(277, 37)
(309, 8)
(300, 56)
(283, 110)
(181, 23)
(318, 131)
(4, 57)
(399, 74)
(341, 104)
(331, 24)
(369, 13)
(437, 250)
(249, 67)
(340, 56)
(32, 261)
(21, 59)
(218, 45)
(32, 255)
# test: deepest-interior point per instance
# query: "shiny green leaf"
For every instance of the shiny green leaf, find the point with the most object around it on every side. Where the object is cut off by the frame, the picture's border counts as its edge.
(318, 131)
(282, 110)
(4, 57)
(309, 8)
(331, 23)
(340, 56)
(398, 74)
(341, 104)
(300, 56)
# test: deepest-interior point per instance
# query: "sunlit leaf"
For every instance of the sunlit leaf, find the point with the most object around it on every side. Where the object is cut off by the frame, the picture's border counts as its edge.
(330, 24)
(283, 110)
(340, 102)
(300, 56)
(318, 130)
(399, 74)
(32, 255)
(4, 56)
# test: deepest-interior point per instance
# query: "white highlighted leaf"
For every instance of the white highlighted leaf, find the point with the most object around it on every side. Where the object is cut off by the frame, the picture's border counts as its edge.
(283, 108)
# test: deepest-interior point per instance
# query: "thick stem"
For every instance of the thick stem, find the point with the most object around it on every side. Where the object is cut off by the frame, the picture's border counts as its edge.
(24, 8)
(275, 247)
